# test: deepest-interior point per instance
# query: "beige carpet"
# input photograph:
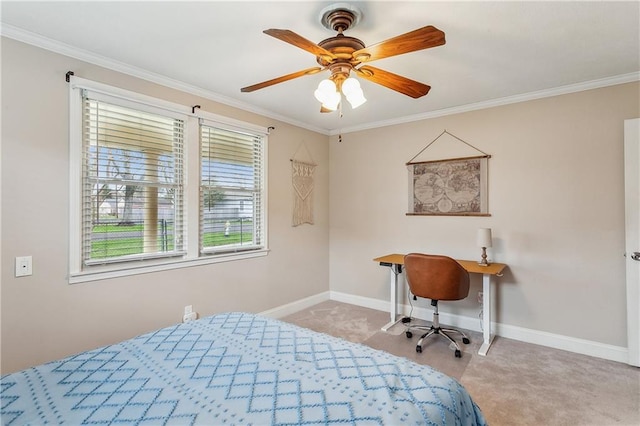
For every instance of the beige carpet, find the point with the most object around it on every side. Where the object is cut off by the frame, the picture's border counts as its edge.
(516, 384)
(435, 352)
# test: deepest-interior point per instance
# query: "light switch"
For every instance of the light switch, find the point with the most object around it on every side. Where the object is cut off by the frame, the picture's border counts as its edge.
(23, 266)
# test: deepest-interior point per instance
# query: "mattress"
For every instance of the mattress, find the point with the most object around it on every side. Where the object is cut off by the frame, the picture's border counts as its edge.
(235, 368)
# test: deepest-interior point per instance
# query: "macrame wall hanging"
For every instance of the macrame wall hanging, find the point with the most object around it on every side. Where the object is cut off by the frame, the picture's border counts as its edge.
(302, 180)
(449, 187)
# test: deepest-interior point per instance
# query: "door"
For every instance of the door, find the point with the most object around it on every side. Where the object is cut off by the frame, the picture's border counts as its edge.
(632, 233)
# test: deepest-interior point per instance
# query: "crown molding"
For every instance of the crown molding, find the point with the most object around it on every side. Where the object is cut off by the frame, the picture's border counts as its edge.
(546, 93)
(37, 40)
(83, 55)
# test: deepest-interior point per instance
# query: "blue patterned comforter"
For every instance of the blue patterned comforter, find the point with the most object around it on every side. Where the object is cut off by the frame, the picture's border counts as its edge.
(235, 368)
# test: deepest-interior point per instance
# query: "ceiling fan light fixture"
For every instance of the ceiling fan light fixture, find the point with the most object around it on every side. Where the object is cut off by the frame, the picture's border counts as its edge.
(356, 100)
(350, 85)
(333, 102)
(327, 94)
(331, 107)
(324, 90)
(327, 86)
(342, 55)
(353, 92)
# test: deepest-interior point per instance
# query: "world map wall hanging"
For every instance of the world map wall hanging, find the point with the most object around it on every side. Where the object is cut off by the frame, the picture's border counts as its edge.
(449, 187)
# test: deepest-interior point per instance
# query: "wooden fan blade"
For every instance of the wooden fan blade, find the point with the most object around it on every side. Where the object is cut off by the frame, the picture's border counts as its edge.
(393, 81)
(301, 42)
(281, 79)
(422, 38)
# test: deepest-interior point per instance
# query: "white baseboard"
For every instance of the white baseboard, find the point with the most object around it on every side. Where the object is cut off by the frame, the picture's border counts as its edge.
(542, 338)
(567, 343)
(366, 302)
(298, 305)
(468, 323)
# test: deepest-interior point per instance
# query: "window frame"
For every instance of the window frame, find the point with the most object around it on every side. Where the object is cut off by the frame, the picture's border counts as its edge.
(260, 222)
(191, 181)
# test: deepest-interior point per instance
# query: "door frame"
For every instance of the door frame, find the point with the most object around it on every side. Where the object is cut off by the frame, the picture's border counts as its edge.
(632, 235)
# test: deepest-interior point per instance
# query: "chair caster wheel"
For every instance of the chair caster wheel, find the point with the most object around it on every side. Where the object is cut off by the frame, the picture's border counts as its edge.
(419, 349)
(409, 334)
(458, 353)
(466, 341)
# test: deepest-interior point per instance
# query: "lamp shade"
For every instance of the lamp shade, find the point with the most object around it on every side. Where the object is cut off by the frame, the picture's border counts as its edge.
(484, 237)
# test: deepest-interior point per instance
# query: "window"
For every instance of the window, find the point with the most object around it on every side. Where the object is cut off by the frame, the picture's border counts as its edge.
(231, 201)
(129, 198)
(132, 195)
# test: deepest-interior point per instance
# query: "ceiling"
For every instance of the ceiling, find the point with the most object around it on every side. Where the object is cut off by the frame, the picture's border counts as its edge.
(495, 52)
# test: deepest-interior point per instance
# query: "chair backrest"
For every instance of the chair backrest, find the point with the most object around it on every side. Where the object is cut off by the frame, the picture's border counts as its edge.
(436, 277)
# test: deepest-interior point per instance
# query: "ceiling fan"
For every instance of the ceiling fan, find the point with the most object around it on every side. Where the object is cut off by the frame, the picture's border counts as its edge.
(342, 54)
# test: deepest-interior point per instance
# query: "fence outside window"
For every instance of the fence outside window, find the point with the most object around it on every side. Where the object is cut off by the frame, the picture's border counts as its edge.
(112, 238)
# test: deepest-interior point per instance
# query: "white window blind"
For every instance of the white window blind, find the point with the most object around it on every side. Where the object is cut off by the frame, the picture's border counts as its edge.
(132, 183)
(232, 205)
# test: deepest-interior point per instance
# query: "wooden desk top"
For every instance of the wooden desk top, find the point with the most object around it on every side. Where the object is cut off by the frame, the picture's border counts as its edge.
(470, 265)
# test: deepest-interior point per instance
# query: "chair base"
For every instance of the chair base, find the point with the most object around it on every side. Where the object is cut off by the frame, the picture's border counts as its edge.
(439, 331)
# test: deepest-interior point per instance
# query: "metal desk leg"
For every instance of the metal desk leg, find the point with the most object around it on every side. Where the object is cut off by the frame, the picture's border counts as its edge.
(487, 337)
(396, 271)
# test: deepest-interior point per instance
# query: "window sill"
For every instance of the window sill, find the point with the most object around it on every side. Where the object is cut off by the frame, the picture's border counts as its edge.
(130, 269)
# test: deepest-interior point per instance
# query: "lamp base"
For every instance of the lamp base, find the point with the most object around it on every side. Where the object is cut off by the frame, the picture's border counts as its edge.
(484, 262)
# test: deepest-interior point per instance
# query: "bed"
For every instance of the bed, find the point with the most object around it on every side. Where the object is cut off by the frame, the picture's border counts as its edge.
(235, 368)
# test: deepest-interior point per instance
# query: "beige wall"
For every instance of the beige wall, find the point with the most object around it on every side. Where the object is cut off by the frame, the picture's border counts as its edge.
(43, 317)
(556, 201)
(555, 195)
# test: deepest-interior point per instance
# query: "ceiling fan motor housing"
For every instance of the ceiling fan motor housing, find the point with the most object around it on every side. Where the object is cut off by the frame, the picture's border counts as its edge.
(341, 46)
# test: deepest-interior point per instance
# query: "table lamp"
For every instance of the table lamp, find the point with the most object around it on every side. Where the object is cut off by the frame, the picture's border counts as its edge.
(484, 241)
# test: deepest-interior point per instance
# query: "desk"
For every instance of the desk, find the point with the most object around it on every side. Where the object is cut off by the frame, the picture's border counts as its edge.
(396, 263)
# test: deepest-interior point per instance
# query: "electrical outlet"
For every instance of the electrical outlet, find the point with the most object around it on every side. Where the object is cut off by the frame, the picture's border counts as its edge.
(24, 266)
(189, 315)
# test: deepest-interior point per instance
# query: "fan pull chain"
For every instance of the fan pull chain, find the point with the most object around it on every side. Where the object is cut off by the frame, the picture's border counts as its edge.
(340, 117)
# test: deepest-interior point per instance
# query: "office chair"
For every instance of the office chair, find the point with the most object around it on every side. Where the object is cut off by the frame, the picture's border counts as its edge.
(437, 278)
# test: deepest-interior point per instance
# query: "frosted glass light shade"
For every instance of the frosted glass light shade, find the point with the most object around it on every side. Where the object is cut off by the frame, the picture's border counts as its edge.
(349, 86)
(332, 101)
(353, 92)
(327, 94)
(356, 100)
(484, 237)
(327, 86)
(324, 91)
